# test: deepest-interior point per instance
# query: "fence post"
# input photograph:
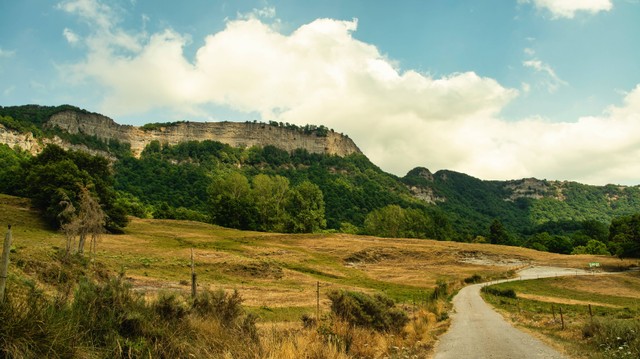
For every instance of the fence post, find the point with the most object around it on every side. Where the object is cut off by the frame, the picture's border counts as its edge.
(4, 263)
(591, 313)
(318, 301)
(553, 311)
(193, 277)
(561, 318)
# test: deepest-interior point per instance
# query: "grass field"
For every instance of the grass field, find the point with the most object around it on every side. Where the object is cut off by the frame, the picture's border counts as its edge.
(277, 274)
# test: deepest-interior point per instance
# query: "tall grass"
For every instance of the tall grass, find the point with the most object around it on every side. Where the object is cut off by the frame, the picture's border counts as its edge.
(107, 319)
(614, 338)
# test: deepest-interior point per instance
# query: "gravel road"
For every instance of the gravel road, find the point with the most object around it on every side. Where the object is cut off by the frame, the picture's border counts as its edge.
(477, 331)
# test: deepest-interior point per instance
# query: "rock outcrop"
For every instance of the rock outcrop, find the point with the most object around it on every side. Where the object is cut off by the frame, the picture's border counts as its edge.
(236, 134)
(27, 142)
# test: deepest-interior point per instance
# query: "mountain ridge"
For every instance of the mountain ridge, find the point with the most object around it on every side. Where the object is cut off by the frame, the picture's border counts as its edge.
(236, 134)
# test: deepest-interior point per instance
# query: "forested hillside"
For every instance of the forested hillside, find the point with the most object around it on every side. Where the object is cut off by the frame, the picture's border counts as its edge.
(269, 189)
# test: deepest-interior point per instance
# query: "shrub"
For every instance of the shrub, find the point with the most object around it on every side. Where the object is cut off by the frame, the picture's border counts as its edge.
(441, 291)
(377, 312)
(102, 309)
(507, 293)
(473, 279)
(227, 308)
(169, 307)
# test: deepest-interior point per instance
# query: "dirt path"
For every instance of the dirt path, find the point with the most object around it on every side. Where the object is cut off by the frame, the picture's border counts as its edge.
(477, 331)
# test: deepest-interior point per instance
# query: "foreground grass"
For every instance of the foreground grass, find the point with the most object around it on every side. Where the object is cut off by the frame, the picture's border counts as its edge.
(601, 313)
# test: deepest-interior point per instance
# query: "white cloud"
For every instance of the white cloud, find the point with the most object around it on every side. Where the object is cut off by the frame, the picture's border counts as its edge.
(569, 8)
(320, 74)
(550, 79)
(71, 36)
(267, 12)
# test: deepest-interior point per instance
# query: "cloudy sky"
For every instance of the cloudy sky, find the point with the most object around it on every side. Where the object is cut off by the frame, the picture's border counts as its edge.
(498, 89)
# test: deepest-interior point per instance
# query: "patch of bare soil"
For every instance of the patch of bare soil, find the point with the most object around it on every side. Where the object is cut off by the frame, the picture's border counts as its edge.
(374, 255)
(490, 259)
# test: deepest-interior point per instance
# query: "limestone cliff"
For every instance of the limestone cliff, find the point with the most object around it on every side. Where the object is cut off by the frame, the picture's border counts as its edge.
(237, 134)
(27, 142)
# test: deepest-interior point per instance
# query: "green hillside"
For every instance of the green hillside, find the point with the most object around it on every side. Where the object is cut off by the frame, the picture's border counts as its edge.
(269, 189)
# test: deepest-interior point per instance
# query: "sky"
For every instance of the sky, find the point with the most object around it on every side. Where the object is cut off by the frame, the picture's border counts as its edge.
(497, 89)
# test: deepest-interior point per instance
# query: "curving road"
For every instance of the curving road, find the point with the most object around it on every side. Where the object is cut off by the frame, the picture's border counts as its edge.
(477, 331)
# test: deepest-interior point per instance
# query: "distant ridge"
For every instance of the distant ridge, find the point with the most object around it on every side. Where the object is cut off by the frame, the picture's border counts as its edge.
(313, 139)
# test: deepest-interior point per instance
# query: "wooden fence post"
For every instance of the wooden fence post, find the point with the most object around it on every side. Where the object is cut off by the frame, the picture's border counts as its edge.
(318, 301)
(193, 277)
(591, 313)
(4, 263)
(561, 318)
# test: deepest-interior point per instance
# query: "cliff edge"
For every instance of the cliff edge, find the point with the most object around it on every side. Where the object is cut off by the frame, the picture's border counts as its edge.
(236, 134)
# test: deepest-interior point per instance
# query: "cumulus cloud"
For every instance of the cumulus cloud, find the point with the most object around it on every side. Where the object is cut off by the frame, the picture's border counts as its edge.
(568, 8)
(321, 74)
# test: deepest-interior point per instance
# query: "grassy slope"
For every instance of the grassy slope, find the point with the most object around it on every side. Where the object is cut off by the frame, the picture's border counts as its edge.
(275, 273)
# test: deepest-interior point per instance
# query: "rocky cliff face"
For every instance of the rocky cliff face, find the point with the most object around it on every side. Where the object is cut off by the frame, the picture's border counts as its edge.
(232, 133)
(26, 142)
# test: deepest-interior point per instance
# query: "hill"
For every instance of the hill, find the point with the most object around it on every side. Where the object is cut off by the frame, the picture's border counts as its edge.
(186, 171)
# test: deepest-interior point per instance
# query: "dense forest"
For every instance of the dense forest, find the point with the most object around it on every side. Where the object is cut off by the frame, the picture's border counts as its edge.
(269, 189)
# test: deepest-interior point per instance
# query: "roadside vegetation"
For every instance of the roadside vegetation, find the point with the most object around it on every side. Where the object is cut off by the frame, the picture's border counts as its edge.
(588, 316)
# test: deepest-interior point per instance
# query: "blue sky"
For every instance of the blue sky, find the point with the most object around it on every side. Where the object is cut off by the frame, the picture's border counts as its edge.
(496, 89)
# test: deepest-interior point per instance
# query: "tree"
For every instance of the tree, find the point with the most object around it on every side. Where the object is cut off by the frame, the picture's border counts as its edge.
(269, 195)
(498, 234)
(306, 208)
(594, 246)
(87, 221)
(231, 202)
(624, 236)
(385, 222)
(57, 176)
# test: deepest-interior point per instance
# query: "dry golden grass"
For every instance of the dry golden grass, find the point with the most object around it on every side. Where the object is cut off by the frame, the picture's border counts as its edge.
(278, 270)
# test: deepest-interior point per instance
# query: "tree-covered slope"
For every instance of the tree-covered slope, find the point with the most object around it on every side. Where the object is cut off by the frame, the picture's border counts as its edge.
(267, 188)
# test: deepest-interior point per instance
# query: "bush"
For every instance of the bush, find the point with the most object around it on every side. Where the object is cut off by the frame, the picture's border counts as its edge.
(441, 291)
(473, 279)
(169, 307)
(226, 307)
(377, 312)
(507, 293)
(102, 310)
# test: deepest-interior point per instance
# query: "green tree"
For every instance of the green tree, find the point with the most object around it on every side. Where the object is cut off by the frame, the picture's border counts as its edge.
(270, 195)
(498, 234)
(306, 208)
(385, 222)
(56, 176)
(594, 246)
(231, 201)
(624, 236)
